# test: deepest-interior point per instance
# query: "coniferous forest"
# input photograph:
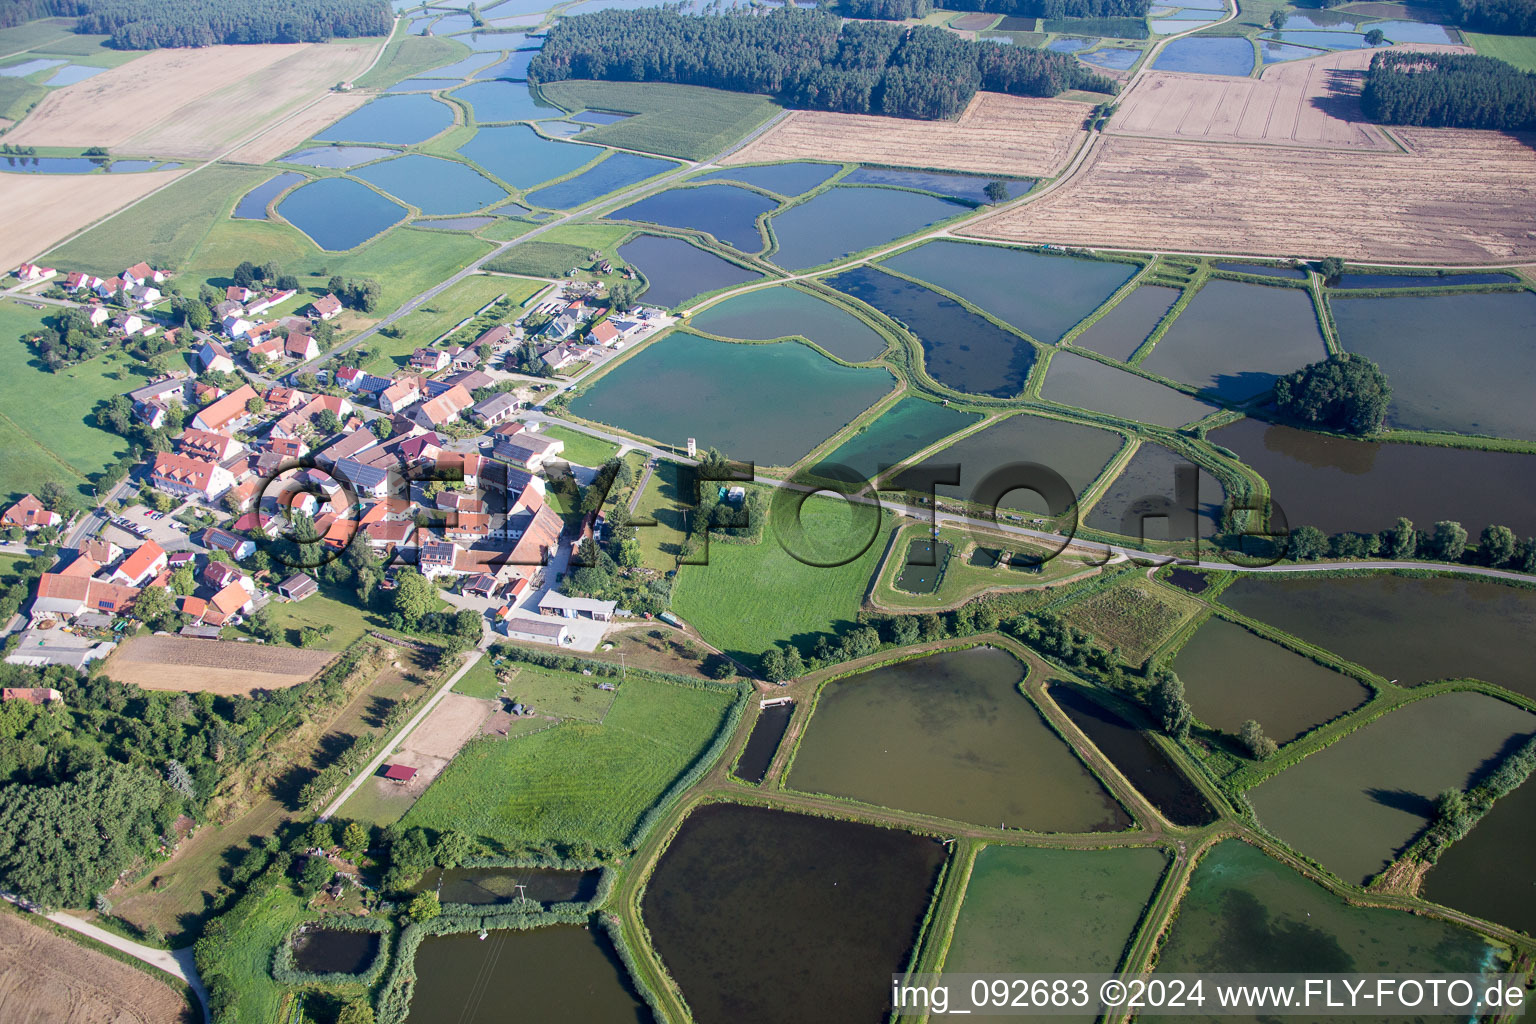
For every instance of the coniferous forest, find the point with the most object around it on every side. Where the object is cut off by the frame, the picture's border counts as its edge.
(899, 9)
(1515, 17)
(151, 24)
(807, 59)
(1448, 90)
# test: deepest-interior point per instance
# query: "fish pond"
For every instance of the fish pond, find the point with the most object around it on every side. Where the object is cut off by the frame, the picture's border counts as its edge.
(51, 164)
(903, 430)
(493, 886)
(1263, 270)
(1206, 55)
(1231, 675)
(1247, 913)
(1459, 362)
(1188, 580)
(253, 205)
(1337, 483)
(618, 171)
(1031, 910)
(338, 213)
(504, 101)
(1120, 332)
(1136, 501)
(822, 895)
(432, 185)
(1086, 383)
(767, 733)
(1042, 295)
(1234, 339)
(961, 349)
(1499, 847)
(726, 212)
(424, 85)
(924, 567)
(1345, 281)
(600, 117)
(1078, 453)
(969, 187)
(784, 312)
(676, 270)
(336, 156)
(1324, 40)
(769, 403)
(1113, 57)
(563, 972)
(397, 120)
(785, 179)
(334, 951)
(1136, 757)
(950, 735)
(842, 221)
(522, 157)
(1354, 804)
(1411, 630)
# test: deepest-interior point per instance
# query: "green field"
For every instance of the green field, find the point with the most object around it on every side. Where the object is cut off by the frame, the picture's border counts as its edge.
(329, 607)
(35, 34)
(45, 428)
(17, 97)
(1517, 50)
(564, 695)
(165, 228)
(406, 56)
(577, 782)
(672, 120)
(428, 322)
(1135, 617)
(479, 682)
(660, 544)
(582, 449)
(753, 595)
(963, 580)
(1032, 910)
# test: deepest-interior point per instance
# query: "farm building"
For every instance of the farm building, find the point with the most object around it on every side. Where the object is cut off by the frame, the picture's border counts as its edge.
(556, 603)
(31, 694)
(298, 586)
(537, 631)
(399, 773)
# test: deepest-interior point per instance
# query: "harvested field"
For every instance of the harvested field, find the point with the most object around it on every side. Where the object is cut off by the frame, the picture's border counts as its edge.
(42, 210)
(1299, 103)
(1457, 196)
(48, 979)
(287, 135)
(432, 744)
(182, 663)
(997, 134)
(190, 102)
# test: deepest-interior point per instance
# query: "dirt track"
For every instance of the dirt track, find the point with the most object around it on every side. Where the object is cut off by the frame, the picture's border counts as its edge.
(48, 979)
(215, 666)
(996, 134)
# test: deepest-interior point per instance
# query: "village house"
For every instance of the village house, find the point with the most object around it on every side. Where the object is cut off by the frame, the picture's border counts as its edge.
(30, 694)
(80, 281)
(219, 575)
(280, 399)
(496, 409)
(466, 467)
(367, 480)
(236, 326)
(140, 567)
(144, 296)
(128, 323)
(436, 557)
(346, 447)
(189, 477)
(387, 535)
(102, 552)
(228, 414)
(326, 308)
(445, 408)
(205, 444)
(400, 395)
(262, 303)
(236, 293)
(237, 547)
(29, 514)
(141, 273)
(71, 596)
(226, 604)
(214, 357)
(429, 360)
(605, 334)
(523, 447)
(29, 272)
(559, 357)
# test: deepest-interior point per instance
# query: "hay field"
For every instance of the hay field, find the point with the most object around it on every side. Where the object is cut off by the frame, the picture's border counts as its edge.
(997, 134)
(1313, 102)
(48, 979)
(286, 136)
(42, 210)
(191, 103)
(1457, 196)
(223, 667)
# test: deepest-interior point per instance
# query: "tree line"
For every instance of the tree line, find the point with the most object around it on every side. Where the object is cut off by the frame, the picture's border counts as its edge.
(807, 59)
(1448, 90)
(1515, 17)
(900, 9)
(1497, 546)
(150, 25)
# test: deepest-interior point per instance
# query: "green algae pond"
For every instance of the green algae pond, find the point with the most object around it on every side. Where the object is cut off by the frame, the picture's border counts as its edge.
(1459, 362)
(1086, 383)
(1120, 332)
(1403, 628)
(924, 567)
(1231, 675)
(1490, 872)
(1234, 339)
(1078, 453)
(1032, 910)
(1043, 295)
(950, 735)
(1353, 805)
(900, 432)
(783, 312)
(1245, 912)
(563, 972)
(1337, 483)
(769, 403)
(823, 911)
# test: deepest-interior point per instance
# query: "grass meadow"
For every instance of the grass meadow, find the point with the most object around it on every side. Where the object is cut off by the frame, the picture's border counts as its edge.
(1135, 617)
(582, 449)
(578, 781)
(406, 56)
(1517, 50)
(671, 120)
(751, 595)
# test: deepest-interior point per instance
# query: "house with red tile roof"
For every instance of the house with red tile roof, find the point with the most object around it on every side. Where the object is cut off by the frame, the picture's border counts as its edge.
(430, 360)
(142, 566)
(226, 604)
(141, 273)
(228, 414)
(190, 477)
(400, 395)
(325, 308)
(29, 514)
(445, 408)
(76, 595)
(207, 444)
